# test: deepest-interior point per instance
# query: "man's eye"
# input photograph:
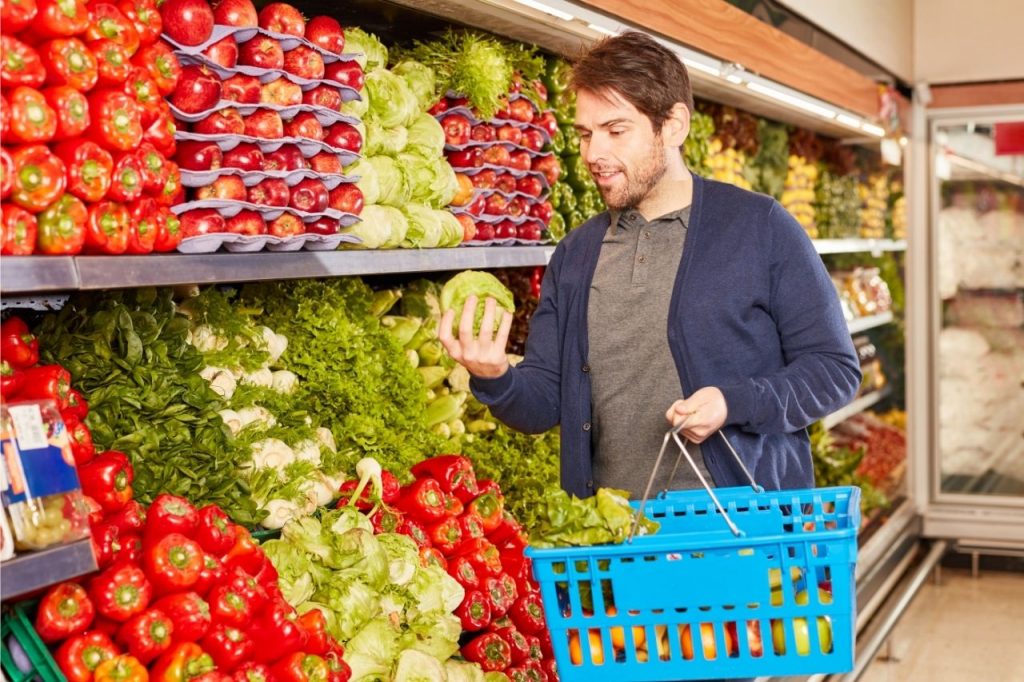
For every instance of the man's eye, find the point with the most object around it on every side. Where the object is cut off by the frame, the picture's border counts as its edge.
(584, 136)
(616, 133)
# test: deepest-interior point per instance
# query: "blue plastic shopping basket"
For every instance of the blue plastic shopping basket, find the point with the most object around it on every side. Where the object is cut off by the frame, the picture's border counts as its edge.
(738, 582)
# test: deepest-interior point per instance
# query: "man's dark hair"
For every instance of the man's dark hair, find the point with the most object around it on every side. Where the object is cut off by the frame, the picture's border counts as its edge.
(645, 73)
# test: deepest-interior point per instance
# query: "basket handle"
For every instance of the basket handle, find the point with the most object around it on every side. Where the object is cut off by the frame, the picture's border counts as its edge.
(673, 434)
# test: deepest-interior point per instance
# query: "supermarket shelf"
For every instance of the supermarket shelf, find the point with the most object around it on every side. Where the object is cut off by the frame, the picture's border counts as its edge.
(856, 407)
(40, 274)
(826, 246)
(870, 322)
(36, 570)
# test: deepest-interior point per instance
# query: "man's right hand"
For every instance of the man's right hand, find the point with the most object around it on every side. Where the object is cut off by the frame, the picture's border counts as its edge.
(484, 354)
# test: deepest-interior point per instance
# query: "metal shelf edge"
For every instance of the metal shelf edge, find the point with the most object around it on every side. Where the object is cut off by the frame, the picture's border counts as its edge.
(870, 322)
(36, 570)
(856, 407)
(831, 246)
(35, 274)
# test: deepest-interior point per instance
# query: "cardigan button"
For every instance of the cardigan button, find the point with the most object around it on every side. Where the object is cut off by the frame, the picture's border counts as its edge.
(586, 369)
(590, 484)
(586, 426)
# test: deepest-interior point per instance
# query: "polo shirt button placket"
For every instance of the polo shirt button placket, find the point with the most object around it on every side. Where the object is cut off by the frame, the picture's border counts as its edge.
(586, 426)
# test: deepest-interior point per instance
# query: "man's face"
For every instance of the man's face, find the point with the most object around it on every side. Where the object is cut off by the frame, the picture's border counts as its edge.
(624, 153)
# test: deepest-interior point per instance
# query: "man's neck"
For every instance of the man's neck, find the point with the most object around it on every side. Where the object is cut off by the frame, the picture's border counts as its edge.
(673, 192)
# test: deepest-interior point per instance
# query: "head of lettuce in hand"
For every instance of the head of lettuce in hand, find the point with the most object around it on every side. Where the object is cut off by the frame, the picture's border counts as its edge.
(477, 315)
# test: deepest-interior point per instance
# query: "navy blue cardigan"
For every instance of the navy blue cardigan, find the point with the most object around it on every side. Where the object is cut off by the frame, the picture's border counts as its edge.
(753, 312)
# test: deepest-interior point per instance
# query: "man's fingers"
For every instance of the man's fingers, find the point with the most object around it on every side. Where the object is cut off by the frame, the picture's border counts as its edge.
(501, 340)
(444, 335)
(466, 321)
(487, 321)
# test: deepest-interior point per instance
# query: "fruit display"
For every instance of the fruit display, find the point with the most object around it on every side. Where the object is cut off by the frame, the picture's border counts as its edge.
(697, 149)
(897, 213)
(735, 141)
(874, 195)
(884, 445)
(798, 193)
(87, 135)
(837, 464)
(862, 292)
(768, 168)
(837, 202)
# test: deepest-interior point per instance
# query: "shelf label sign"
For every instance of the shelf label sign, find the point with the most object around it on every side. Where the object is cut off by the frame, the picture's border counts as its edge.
(1009, 138)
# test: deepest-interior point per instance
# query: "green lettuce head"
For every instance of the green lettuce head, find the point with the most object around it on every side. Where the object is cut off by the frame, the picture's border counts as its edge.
(479, 284)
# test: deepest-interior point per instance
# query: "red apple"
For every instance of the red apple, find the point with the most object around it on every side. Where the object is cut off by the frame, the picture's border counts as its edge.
(485, 179)
(263, 52)
(466, 158)
(198, 155)
(326, 33)
(477, 206)
(326, 162)
(304, 62)
(228, 187)
(521, 110)
(506, 229)
(548, 122)
(346, 197)
(221, 122)
(200, 221)
(530, 230)
(324, 225)
(541, 90)
(242, 89)
(235, 13)
(270, 192)
(309, 195)
(305, 125)
(468, 227)
(542, 211)
(246, 222)
(518, 206)
(497, 155)
(198, 89)
(503, 111)
(457, 102)
(281, 17)
(547, 165)
(286, 158)
(346, 73)
(520, 159)
(281, 91)
(224, 52)
(483, 132)
(505, 182)
(439, 108)
(187, 22)
(344, 136)
(286, 225)
(533, 139)
(530, 184)
(495, 204)
(246, 156)
(457, 129)
(484, 231)
(264, 123)
(510, 133)
(323, 96)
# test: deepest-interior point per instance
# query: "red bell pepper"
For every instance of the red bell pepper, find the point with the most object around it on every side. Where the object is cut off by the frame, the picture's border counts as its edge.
(146, 635)
(464, 573)
(19, 231)
(416, 531)
(246, 553)
(445, 535)
(430, 556)
(483, 555)
(62, 227)
(168, 230)
(508, 586)
(15, 15)
(140, 87)
(517, 673)
(108, 228)
(89, 168)
(160, 133)
(453, 472)
(528, 614)
(181, 663)
(173, 191)
(79, 656)
(162, 65)
(339, 669)
(80, 439)
(314, 623)
(495, 591)
(536, 651)
(143, 227)
(108, 627)
(384, 519)
(253, 672)
(32, 118)
(154, 169)
(126, 178)
(211, 574)
(247, 586)
(72, 110)
(145, 17)
(389, 494)
(108, 479)
(189, 614)
(230, 607)
(6, 162)
(453, 508)
(422, 501)
(117, 120)
(173, 563)
(301, 667)
(92, 509)
(108, 22)
(228, 646)
(475, 611)
(11, 380)
(64, 610)
(170, 514)
(490, 506)
(275, 633)
(472, 525)
(76, 407)
(38, 177)
(517, 644)
(69, 62)
(129, 519)
(131, 549)
(120, 592)
(489, 650)
(550, 668)
(46, 382)
(508, 531)
(58, 18)
(113, 63)
(18, 346)
(213, 531)
(21, 64)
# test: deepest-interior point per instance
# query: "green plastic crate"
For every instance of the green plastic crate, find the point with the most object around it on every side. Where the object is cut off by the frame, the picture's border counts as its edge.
(17, 630)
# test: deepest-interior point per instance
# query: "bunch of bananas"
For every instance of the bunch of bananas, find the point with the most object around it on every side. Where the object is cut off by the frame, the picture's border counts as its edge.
(798, 193)
(874, 196)
(727, 165)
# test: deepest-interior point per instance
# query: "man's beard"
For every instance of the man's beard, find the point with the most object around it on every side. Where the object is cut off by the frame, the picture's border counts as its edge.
(638, 182)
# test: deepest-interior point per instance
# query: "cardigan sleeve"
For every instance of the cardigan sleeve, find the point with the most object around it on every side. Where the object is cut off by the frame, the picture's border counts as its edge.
(527, 396)
(821, 372)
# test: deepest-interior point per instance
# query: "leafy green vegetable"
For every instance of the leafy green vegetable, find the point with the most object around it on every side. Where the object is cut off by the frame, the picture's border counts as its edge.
(604, 518)
(392, 102)
(372, 53)
(392, 180)
(480, 284)
(368, 183)
(431, 180)
(387, 141)
(420, 79)
(380, 227)
(426, 137)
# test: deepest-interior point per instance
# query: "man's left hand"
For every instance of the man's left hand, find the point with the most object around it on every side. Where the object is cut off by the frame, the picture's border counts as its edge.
(701, 414)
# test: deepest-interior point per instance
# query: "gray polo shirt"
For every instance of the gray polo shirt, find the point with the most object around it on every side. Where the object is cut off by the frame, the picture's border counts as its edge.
(633, 375)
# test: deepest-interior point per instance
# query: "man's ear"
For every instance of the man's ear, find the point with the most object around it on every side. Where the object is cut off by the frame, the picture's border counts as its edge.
(677, 126)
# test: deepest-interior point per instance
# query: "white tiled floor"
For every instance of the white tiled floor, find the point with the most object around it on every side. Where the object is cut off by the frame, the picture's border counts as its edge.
(963, 630)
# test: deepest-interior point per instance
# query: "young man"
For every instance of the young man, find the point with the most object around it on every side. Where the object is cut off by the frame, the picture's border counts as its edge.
(690, 300)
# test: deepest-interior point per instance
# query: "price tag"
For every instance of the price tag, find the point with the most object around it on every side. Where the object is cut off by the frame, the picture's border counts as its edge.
(29, 428)
(892, 153)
